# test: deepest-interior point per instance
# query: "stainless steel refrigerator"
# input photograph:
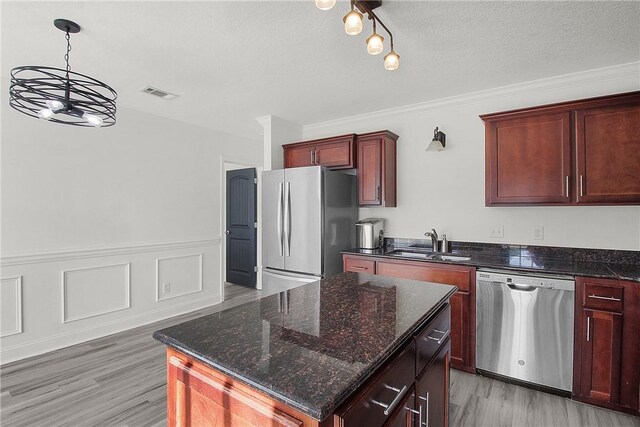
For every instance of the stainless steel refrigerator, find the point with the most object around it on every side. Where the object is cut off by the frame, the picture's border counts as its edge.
(308, 217)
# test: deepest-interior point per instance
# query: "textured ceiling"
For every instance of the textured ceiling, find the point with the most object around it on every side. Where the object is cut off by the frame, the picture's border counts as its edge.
(231, 62)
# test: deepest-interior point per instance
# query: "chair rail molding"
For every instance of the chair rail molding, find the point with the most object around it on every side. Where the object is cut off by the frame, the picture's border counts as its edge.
(96, 252)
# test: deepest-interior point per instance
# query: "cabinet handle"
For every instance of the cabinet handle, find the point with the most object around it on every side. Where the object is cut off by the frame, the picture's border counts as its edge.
(391, 406)
(588, 327)
(355, 267)
(311, 157)
(442, 338)
(605, 298)
(315, 158)
(581, 185)
(378, 193)
(566, 185)
(426, 412)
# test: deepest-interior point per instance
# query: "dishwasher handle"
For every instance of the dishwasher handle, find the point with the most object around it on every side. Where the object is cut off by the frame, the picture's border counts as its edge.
(523, 288)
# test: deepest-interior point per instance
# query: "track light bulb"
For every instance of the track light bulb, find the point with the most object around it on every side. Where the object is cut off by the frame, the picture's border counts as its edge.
(374, 44)
(353, 22)
(325, 4)
(92, 119)
(45, 114)
(391, 61)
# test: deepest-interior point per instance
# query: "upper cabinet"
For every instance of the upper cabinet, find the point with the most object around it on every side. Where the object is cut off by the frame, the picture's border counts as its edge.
(335, 153)
(377, 169)
(375, 158)
(581, 152)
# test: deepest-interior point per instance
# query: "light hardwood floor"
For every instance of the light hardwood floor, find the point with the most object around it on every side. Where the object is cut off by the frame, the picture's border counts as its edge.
(120, 380)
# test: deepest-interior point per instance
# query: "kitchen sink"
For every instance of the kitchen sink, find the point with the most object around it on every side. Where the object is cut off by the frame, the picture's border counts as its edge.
(407, 253)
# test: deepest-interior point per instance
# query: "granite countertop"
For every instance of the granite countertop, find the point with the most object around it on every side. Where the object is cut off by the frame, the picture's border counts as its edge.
(311, 347)
(538, 260)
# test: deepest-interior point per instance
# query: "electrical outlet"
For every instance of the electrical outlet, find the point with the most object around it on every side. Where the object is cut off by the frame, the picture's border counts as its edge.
(496, 231)
(166, 288)
(538, 232)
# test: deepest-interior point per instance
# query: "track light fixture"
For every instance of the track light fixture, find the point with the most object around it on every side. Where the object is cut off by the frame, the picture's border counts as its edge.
(62, 96)
(353, 26)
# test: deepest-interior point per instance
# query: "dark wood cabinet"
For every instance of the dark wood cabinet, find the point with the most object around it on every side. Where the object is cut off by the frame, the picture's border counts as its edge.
(608, 154)
(432, 391)
(528, 159)
(377, 169)
(463, 302)
(607, 351)
(578, 152)
(335, 153)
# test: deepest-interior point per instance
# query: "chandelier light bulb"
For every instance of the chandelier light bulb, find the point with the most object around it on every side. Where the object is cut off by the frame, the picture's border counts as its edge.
(353, 22)
(391, 61)
(374, 44)
(45, 114)
(55, 105)
(325, 4)
(92, 119)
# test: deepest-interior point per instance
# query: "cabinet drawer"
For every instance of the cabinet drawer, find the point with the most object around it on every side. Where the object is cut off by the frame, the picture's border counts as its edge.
(385, 391)
(438, 273)
(603, 297)
(429, 341)
(359, 265)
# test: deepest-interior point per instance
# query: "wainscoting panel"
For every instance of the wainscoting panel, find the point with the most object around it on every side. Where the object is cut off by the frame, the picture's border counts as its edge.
(11, 306)
(93, 291)
(178, 275)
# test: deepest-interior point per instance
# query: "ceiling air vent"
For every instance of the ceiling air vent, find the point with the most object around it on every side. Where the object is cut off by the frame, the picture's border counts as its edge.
(159, 93)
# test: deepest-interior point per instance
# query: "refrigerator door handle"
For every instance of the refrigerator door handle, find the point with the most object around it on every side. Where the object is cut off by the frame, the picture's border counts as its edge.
(279, 219)
(287, 218)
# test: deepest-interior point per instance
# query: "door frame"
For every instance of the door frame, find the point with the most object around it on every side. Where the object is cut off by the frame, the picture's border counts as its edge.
(229, 164)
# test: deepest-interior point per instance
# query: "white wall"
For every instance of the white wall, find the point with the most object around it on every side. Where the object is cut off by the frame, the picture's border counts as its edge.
(445, 190)
(96, 221)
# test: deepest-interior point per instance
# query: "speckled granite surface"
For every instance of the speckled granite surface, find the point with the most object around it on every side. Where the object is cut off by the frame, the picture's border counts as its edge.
(623, 265)
(311, 347)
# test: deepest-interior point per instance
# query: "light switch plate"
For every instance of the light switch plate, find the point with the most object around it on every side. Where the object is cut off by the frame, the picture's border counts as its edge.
(538, 232)
(496, 232)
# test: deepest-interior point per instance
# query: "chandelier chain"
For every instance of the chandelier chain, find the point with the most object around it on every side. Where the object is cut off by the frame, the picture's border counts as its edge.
(66, 56)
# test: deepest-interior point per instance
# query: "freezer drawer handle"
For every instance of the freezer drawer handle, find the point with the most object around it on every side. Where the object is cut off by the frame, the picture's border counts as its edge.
(606, 298)
(391, 406)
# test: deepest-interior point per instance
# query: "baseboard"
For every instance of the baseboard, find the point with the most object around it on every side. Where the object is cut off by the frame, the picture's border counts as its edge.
(40, 346)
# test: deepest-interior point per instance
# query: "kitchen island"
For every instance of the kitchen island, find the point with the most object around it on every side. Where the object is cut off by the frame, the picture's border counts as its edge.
(351, 349)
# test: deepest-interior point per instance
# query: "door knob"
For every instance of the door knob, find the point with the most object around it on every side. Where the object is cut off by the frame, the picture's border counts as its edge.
(227, 232)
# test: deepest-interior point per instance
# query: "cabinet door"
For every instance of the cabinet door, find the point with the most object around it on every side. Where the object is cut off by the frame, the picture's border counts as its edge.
(601, 344)
(528, 160)
(460, 329)
(335, 155)
(608, 154)
(298, 156)
(432, 390)
(195, 398)
(370, 172)
(377, 169)
(463, 322)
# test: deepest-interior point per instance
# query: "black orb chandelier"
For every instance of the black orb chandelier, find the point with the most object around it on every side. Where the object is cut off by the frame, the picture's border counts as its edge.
(62, 96)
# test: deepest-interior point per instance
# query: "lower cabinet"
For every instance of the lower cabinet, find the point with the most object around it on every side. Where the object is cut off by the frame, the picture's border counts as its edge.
(432, 391)
(607, 349)
(463, 302)
(198, 398)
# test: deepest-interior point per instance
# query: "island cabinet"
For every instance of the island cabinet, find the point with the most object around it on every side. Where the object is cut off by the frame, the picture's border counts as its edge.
(335, 153)
(377, 169)
(463, 302)
(607, 343)
(571, 153)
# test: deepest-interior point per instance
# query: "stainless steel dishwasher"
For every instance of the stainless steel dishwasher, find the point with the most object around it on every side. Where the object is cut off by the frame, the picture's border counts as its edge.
(524, 327)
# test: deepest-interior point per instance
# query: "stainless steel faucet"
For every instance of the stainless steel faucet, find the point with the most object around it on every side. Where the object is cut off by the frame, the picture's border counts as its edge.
(434, 239)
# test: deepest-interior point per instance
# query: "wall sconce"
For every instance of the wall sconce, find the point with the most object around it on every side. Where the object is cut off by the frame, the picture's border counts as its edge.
(438, 142)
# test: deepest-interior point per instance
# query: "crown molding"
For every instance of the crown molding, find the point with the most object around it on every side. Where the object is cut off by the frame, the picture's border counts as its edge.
(622, 72)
